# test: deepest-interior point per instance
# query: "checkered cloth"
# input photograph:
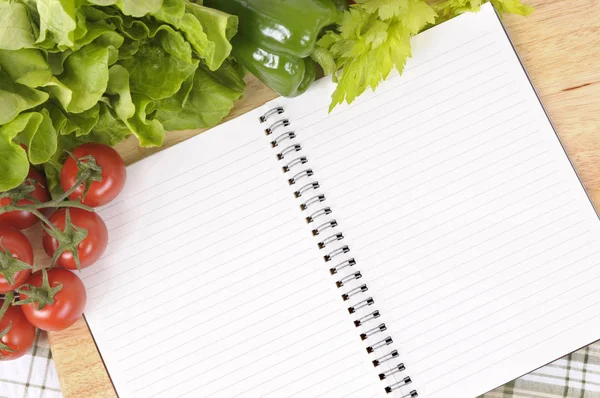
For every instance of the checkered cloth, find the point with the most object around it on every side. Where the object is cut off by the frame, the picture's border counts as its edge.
(575, 376)
(31, 376)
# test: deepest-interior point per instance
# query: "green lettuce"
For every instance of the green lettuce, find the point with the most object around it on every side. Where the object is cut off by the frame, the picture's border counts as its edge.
(16, 28)
(77, 71)
(210, 95)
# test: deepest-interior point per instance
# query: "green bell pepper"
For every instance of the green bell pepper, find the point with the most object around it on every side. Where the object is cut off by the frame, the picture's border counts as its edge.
(276, 37)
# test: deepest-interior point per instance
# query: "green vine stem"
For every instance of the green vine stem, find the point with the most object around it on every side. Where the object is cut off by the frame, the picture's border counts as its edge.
(8, 299)
(56, 203)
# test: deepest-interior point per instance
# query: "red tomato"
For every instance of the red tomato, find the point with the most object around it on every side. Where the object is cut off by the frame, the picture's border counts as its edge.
(90, 249)
(24, 219)
(68, 305)
(21, 334)
(19, 246)
(114, 174)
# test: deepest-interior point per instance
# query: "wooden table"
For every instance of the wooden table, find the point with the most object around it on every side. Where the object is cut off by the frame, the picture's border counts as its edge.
(560, 46)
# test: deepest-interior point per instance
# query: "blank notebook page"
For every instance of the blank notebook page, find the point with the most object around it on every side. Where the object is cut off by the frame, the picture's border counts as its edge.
(211, 285)
(469, 224)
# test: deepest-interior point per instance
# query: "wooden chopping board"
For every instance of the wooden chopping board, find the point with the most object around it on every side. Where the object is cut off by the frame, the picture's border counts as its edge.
(560, 47)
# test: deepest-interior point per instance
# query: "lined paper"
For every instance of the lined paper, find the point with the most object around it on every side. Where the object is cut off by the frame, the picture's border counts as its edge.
(467, 221)
(211, 285)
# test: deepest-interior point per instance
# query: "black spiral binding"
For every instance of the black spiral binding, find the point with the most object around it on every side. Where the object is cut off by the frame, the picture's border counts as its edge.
(396, 371)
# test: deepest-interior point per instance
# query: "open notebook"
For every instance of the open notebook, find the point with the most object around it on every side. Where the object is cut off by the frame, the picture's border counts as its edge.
(431, 239)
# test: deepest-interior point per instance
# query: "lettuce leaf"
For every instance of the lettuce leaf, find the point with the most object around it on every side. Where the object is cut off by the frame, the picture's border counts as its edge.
(16, 98)
(76, 71)
(161, 65)
(219, 28)
(33, 129)
(58, 22)
(203, 100)
(16, 29)
(85, 76)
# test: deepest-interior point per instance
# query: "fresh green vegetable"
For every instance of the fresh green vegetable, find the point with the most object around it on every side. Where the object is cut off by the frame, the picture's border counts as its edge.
(73, 72)
(373, 37)
(277, 37)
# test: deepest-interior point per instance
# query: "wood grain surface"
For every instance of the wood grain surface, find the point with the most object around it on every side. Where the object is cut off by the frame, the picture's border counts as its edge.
(560, 47)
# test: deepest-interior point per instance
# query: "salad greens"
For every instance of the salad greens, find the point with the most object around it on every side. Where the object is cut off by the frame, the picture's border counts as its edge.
(373, 37)
(75, 71)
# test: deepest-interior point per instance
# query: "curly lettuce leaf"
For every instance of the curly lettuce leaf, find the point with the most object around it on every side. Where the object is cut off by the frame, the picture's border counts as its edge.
(84, 78)
(58, 22)
(203, 100)
(14, 165)
(161, 65)
(149, 131)
(134, 8)
(219, 28)
(16, 98)
(171, 12)
(74, 71)
(33, 129)
(16, 29)
(26, 66)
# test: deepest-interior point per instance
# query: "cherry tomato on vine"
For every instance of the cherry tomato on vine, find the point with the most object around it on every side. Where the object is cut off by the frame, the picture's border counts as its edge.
(14, 242)
(19, 337)
(66, 305)
(113, 174)
(21, 219)
(89, 249)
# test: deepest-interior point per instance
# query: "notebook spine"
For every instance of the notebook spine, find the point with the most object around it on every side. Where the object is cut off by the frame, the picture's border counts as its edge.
(347, 276)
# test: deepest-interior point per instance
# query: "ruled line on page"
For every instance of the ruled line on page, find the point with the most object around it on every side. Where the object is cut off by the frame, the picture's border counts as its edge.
(187, 183)
(504, 270)
(305, 363)
(466, 225)
(511, 291)
(327, 327)
(119, 201)
(470, 247)
(186, 318)
(379, 94)
(229, 385)
(459, 215)
(192, 217)
(402, 144)
(545, 313)
(121, 297)
(227, 363)
(313, 272)
(422, 184)
(396, 244)
(344, 370)
(285, 249)
(186, 243)
(249, 326)
(396, 172)
(487, 265)
(420, 137)
(114, 228)
(545, 340)
(357, 127)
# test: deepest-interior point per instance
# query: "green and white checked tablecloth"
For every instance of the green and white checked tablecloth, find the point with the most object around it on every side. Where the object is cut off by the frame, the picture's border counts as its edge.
(575, 376)
(32, 375)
